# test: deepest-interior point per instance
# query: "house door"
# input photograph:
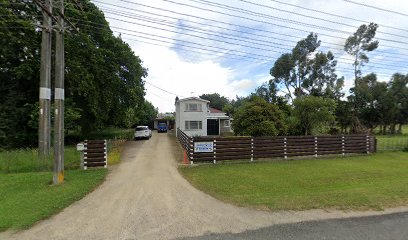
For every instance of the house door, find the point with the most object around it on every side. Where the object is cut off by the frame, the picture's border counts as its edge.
(213, 127)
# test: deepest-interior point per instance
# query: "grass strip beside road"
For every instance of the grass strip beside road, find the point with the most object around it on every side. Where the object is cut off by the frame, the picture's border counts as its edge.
(363, 182)
(26, 198)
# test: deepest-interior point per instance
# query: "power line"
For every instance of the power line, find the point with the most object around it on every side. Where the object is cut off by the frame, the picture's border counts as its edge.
(233, 25)
(336, 15)
(314, 17)
(351, 71)
(250, 19)
(226, 7)
(378, 8)
(264, 57)
(194, 47)
(258, 48)
(163, 89)
(242, 45)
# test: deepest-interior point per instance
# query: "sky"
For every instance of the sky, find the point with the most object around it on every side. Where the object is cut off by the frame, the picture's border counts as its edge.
(193, 47)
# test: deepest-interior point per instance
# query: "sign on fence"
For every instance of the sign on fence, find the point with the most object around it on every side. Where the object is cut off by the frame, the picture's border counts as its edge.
(203, 147)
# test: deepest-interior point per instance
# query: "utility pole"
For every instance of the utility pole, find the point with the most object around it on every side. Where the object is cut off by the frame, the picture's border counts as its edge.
(59, 96)
(44, 130)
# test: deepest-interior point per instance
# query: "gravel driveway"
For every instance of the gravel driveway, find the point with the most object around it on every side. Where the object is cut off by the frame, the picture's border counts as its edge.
(146, 198)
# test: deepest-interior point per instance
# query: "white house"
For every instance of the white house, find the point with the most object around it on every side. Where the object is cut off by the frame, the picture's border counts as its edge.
(196, 118)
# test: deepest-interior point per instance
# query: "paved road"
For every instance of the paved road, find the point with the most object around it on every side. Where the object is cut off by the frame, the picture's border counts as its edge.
(146, 198)
(385, 227)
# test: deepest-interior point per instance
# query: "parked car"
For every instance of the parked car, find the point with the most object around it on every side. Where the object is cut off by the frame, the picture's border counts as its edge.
(143, 132)
(162, 127)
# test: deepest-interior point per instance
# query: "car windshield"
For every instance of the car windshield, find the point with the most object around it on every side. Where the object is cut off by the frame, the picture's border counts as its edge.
(141, 128)
(162, 124)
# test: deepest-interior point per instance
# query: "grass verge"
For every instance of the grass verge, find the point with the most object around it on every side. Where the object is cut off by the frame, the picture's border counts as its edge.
(114, 151)
(26, 198)
(392, 142)
(26, 193)
(360, 182)
(27, 160)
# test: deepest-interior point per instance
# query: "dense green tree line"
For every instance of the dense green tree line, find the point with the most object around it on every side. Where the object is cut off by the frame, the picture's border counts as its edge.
(103, 76)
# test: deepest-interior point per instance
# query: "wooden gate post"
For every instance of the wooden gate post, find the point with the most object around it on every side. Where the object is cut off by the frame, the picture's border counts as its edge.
(215, 151)
(252, 149)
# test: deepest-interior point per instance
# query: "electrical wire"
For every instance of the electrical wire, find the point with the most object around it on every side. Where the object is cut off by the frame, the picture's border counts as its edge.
(244, 40)
(227, 42)
(377, 8)
(235, 25)
(226, 7)
(336, 15)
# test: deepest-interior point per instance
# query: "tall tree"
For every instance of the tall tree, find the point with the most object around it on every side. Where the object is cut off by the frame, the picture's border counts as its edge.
(357, 45)
(398, 92)
(19, 72)
(323, 80)
(370, 100)
(216, 100)
(306, 72)
(292, 69)
(104, 78)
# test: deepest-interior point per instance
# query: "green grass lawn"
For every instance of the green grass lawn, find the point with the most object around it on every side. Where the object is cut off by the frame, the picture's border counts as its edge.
(26, 160)
(26, 198)
(392, 142)
(26, 193)
(373, 181)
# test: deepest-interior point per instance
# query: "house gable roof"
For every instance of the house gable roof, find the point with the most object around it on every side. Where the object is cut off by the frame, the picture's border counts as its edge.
(193, 98)
(214, 110)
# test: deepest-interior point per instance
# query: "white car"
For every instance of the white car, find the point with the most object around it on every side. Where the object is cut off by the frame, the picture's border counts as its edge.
(143, 132)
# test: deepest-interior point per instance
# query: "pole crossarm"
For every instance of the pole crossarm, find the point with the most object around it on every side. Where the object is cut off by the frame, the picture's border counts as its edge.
(45, 9)
(68, 21)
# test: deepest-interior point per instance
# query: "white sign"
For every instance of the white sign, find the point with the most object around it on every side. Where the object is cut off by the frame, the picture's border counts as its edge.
(203, 147)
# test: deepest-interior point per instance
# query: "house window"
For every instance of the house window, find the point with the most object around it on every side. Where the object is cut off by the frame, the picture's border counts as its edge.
(194, 125)
(226, 123)
(193, 107)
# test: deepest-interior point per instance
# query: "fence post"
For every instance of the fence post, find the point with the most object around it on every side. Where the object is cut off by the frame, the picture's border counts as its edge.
(215, 151)
(252, 149)
(284, 148)
(106, 153)
(315, 140)
(85, 157)
(191, 150)
(342, 145)
(368, 143)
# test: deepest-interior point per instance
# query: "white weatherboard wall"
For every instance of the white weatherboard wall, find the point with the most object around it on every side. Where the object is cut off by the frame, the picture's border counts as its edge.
(183, 115)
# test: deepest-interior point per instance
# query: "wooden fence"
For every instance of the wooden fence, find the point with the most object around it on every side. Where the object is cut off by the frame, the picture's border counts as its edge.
(95, 154)
(185, 141)
(201, 149)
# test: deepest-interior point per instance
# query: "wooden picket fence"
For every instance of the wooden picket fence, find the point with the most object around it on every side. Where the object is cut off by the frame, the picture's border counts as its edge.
(241, 148)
